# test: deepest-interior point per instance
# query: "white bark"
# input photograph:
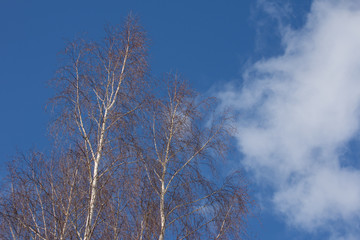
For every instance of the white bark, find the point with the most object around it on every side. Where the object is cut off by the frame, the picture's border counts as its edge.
(162, 206)
(111, 99)
(93, 187)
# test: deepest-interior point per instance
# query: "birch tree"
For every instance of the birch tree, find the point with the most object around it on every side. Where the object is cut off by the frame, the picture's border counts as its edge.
(42, 201)
(132, 158)
(100, 89)
(188, 140)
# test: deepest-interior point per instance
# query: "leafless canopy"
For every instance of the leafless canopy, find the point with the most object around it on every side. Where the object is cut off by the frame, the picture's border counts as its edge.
(129, 160)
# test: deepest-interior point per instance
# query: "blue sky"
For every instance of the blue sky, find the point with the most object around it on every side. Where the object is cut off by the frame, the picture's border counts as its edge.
(290, 68)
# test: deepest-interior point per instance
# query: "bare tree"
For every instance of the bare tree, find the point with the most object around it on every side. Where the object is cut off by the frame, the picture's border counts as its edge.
(99, 92)
(42, 200)
(100, 88)
(187, 140)
(128, 162)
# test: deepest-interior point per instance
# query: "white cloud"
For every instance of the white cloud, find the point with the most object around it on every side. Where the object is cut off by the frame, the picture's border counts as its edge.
(297, 113)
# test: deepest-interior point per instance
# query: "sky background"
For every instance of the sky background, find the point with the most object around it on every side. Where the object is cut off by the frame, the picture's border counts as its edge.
(289, 68)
